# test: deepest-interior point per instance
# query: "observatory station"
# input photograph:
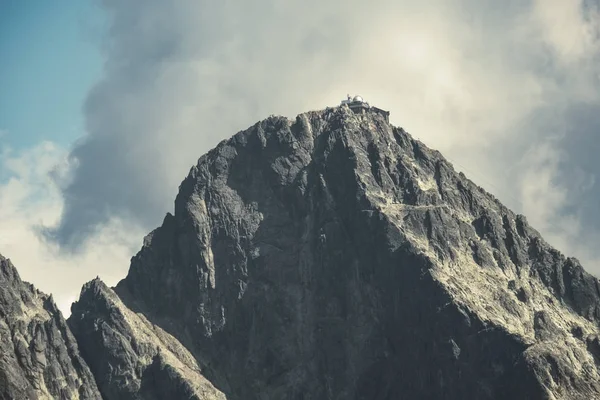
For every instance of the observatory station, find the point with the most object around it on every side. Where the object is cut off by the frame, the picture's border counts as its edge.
(359, 105)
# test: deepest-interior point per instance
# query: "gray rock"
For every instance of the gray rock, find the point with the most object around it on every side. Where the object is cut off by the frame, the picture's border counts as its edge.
(39, 357)
(130, 357)
(330, 257)
(335, 257)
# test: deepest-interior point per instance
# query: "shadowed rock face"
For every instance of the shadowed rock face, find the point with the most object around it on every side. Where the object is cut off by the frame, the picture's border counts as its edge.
(39, 357)
(130, 357)
(335, 257)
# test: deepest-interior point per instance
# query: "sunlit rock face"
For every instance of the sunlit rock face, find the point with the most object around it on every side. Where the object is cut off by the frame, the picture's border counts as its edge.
(39, 357)
(130, 357)
(335, 257)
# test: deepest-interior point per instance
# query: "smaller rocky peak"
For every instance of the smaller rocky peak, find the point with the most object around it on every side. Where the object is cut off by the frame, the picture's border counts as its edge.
(95, 296)
(40, 357)
(8, 272)
(131, 357)
(12, 293)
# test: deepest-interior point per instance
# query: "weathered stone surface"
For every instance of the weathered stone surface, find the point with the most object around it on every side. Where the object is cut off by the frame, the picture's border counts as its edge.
(39, 357)
(130, 357)
(335, 257)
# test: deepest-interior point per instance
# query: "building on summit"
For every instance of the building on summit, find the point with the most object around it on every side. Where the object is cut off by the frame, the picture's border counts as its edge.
(359, 105)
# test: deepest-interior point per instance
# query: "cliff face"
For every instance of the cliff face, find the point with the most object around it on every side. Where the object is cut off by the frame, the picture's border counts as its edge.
(39, 357)
(329, 257)
(335, 257)
(130, 357)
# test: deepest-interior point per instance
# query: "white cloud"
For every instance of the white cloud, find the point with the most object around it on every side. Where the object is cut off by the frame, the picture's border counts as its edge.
(465, 76)
(470, 78)
(29, 200)
(569, 27)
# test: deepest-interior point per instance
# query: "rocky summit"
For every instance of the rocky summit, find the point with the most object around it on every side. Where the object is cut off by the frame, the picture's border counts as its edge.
(39, 357)
(328, 257)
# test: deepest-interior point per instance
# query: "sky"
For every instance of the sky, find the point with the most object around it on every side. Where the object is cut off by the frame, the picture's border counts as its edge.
(49, 57)
(105, 105)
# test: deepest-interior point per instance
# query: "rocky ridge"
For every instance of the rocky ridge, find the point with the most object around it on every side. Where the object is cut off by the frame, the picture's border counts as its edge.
(130, 357)
(39, 357)
(335, 257)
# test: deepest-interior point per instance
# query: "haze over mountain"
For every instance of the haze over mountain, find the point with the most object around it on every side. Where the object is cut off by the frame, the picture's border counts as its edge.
(332, 256)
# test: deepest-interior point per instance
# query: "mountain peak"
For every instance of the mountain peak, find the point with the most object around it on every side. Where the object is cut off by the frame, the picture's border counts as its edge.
(336, 249)
(151, 363)
(333, 256)
(40, 357)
